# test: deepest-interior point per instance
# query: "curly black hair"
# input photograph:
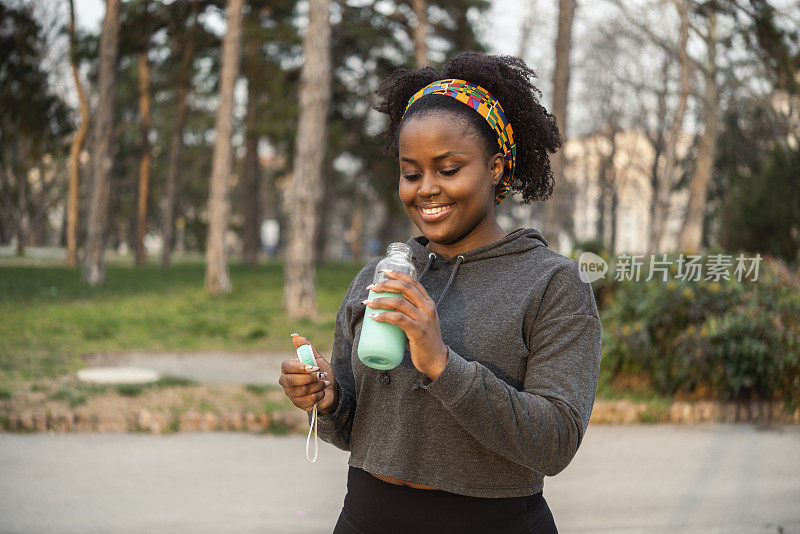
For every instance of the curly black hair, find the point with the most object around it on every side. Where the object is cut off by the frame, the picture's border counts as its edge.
(508, 79)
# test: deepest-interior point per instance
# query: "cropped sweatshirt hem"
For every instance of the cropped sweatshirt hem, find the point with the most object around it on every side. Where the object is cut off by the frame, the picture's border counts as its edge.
(514, 399)
(473, 489)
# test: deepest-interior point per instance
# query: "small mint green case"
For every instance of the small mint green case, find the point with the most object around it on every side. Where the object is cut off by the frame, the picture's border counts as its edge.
(306, 355)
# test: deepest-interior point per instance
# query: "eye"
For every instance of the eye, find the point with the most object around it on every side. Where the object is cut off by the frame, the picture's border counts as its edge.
(451, 172)
(411, 177)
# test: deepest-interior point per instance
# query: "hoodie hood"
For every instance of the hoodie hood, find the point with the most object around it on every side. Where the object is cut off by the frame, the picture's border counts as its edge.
(520, 240)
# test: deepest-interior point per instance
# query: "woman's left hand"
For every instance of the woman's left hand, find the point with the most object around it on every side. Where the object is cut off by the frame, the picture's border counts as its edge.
(416, 314)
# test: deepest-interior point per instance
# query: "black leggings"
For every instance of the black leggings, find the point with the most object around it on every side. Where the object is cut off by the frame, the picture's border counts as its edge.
(372, 506)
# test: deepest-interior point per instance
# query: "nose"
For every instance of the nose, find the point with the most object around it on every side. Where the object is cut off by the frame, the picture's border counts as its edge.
(429, 185)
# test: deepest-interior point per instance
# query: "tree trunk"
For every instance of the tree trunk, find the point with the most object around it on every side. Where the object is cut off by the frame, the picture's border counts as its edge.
(273, 204)
(692, 231)
(323, 211)
(558, 210)
(22, 209)
(600, 230)
(38, 228)
(251, 170)
(606, 178)
(421, 33)
(172, 185)
(217, 276)
(526, 29)
(75, 150)
(668, 178)
(657, 142)
(94, 260)
(299, 298)
(147, 154)
(357, 224)
(614, 210)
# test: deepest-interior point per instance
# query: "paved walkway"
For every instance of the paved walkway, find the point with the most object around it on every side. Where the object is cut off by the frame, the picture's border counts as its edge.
(214, 367)
(625, 479)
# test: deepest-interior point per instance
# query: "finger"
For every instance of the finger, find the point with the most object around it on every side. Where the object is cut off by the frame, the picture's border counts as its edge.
(399, 275)
(408, 290)
(400, 319)
(299, 340)
(290, 380)
(394, 303)
(309, 401)
(295, 366)
(298, 392)
(322, 362)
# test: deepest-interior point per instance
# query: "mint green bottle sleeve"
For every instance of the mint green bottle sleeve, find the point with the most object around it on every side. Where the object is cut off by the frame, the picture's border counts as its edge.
(306, 355)
(382, 345)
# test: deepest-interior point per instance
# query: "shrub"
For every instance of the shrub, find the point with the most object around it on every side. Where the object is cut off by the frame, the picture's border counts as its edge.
(168, 381)
(737, 340)
(71, 395)
(130, 390)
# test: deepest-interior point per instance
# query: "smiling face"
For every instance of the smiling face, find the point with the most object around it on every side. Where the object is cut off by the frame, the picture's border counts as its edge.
(447, 183)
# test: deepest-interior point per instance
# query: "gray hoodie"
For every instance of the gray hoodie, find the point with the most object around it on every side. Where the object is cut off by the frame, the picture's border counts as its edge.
(514, 399)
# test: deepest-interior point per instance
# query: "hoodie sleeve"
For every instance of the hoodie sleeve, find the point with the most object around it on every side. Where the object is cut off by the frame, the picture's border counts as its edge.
(336, 427)
(541, 426)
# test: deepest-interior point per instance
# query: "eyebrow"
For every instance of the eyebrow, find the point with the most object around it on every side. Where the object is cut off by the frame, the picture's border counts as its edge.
(436, 158)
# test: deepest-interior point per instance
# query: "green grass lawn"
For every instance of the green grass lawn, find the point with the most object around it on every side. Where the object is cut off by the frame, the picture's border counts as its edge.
(48, 317)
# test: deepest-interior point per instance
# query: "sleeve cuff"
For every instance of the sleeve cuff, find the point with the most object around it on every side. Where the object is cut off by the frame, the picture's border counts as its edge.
(454, 381)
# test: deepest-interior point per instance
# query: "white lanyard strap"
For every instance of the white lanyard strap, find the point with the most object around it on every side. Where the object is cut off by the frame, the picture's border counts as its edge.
(308, 439)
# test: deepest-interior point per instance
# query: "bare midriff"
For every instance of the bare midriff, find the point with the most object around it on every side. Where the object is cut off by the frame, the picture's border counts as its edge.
(398, 482)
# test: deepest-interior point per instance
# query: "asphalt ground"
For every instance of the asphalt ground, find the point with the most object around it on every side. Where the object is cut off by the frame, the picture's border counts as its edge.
(207, 366)
(709, 478)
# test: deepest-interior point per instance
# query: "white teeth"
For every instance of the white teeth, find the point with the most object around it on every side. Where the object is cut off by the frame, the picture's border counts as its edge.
(431, 211)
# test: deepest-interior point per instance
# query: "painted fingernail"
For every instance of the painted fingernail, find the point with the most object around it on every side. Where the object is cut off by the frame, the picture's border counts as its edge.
(311, 368)
(374, 315)
(370, 286)
(327, 383)
(294, 334)
(324, 375)
(366, 301)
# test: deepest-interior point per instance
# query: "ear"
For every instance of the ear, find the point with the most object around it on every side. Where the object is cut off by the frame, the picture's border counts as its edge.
(496, 168)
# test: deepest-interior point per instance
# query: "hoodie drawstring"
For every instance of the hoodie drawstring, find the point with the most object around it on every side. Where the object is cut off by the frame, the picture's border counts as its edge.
(431, 258)
(450, 280)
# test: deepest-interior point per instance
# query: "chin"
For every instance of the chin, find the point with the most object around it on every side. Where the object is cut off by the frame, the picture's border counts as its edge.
(442, 237)
(443, 233)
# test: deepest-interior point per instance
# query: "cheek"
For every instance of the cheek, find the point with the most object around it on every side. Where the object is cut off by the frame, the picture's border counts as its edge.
(468, 189)
(406, 191)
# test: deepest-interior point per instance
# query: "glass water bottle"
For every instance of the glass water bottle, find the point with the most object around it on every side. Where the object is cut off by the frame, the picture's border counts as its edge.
(382, 345)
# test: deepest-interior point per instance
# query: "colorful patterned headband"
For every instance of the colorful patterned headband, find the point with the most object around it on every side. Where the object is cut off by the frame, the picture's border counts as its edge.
(490, 109)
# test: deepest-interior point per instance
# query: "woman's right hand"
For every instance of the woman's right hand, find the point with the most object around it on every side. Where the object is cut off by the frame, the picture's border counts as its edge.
(305, 388)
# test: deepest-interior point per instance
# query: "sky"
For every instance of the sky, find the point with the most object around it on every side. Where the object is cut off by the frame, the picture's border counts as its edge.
(89, 15)
(500, 30)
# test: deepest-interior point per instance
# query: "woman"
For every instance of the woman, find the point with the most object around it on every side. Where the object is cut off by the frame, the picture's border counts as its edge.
(499, 378)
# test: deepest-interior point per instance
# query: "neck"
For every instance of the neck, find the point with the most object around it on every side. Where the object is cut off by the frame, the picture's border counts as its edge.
(481, 235)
